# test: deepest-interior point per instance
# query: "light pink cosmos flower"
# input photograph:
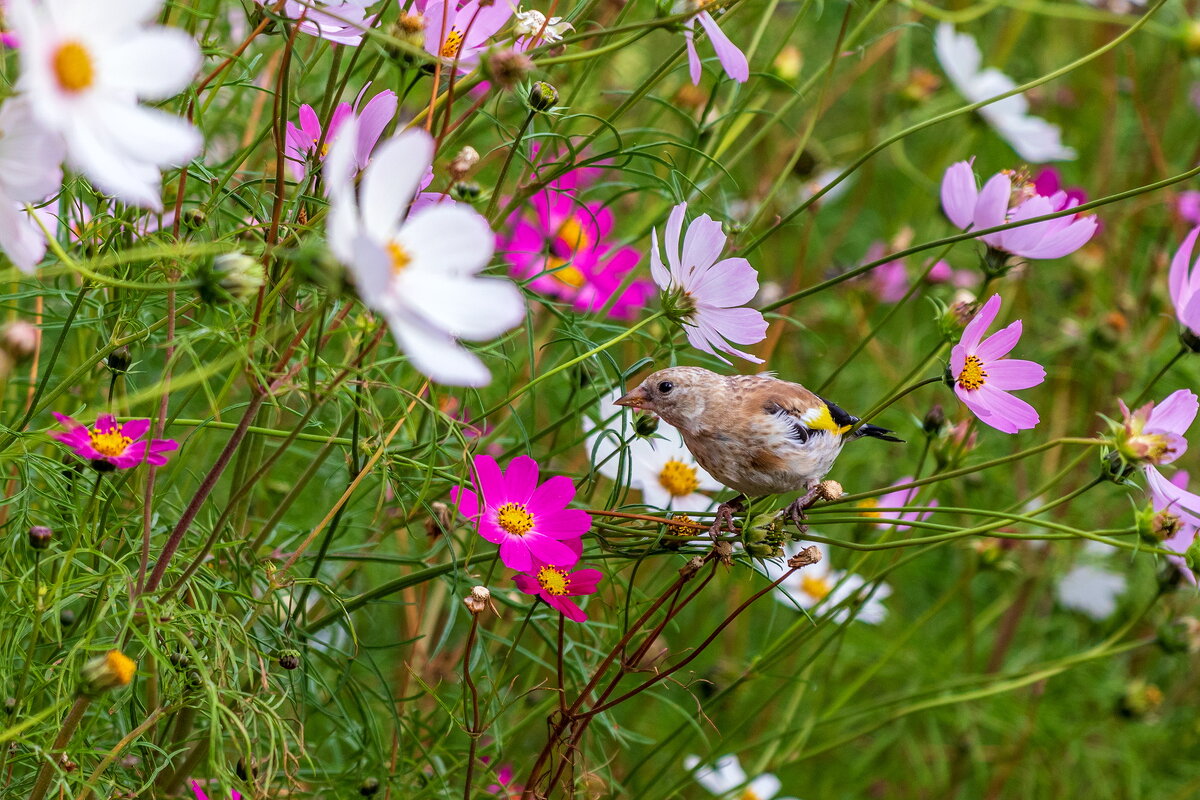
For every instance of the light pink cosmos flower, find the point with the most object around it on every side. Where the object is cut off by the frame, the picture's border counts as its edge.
(557, 585)
(706, 294)
(1184, 282)
(338, 21)
(30, 160)
(462, 33)
(110, 445)
(1187, 206)
(896, 499)
(530, 523)
(1171, 496)
(983, 377)
(733, 60)
(200, 795)
(300, 148)
(999, 202)
(1154, 434)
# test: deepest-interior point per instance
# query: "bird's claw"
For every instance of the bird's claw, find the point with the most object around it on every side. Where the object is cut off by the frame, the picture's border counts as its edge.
(724, 518)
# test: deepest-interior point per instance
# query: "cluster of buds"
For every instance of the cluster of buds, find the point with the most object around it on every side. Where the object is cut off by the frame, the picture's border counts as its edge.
(764, 537)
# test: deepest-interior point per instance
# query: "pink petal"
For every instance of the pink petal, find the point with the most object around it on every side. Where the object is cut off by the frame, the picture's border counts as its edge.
(135, 428)
(567, 607)
(657, 271)
(489, 481)
(1012, 374)
(1009, 413)
(466, 501)
(689, 35)
(731, 58)
(374, 118)
(1175, 414)
(999, 344)
(991, 206)
(551, 496)
(521, 478)
(702, 246)
(730, 282)
(567, 523)
(1066, 241)
(958, 359)
(514, 552)
(739, 325)
(959, 194)
(672, 240)
(550, 551)
(585, 581)
(105, 422)
(982, 320)
(63, 419)
(527, 583)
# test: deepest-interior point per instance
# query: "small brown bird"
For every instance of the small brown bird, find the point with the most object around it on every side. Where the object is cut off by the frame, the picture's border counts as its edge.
(756, 434)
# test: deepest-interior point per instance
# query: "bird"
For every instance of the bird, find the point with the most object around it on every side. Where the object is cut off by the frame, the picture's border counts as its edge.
(756, 434)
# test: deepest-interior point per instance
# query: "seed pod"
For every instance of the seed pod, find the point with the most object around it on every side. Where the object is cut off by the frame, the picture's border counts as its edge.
(289, 659)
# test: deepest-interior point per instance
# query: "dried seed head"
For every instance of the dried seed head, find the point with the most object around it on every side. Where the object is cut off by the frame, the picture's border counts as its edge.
(40, 537)
(508, 68)
(479, 600)
(807, 556)
(289, 659)
(464, 162)
(831, 490)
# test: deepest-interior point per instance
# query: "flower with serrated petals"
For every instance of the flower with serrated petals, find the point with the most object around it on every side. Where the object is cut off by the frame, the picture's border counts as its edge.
(418, 269)
(533, 29)
(84, 67)
(459, 34)
(530, 522)
(1172, 497)
(705, 295)
(1154, 434)
(557, 585)
(110, 445)
(820, 586)
(983, 377)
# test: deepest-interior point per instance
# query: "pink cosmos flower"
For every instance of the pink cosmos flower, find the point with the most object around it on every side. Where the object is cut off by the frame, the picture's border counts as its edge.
(983, 377)
(1187, 206)
(556, 585)
(942, 272)
(531, 523)
(704, 294)
(1184, 282)
(999, 202)
(506, 787)
(462, 33)
(338, 21)
(733, 60)
(1048, 182)
(110, 445)
(1171, 496)
(300, 147)
(563, 253)
(1154, 434)
(900, 497)
(200, 795)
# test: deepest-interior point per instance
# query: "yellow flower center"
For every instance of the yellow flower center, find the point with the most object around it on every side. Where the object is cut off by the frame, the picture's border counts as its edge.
(565, 273)
(815, 586)
(973, 375)
(514, 518)
(867, 506)
(679, 528)
(574, 235)
(400, 257)
(678, 478)
(73, 67)
(748, 794)
(111, 442)
(453, 43)
(553, 580)
(121, 666)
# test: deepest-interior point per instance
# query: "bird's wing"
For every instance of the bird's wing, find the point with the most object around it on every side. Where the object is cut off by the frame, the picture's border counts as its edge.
(804, 412)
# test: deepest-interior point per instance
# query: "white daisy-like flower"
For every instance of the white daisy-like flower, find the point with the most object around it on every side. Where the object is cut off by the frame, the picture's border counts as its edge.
(1035, 140)
(662, 468)
(1088, 587)
(30, 170)
(419, 270)
(726, 779)
(85, 65)
(820, 586)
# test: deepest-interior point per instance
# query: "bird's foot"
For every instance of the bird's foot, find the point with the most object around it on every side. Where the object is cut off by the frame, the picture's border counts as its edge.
(825, 490)
(724, 518)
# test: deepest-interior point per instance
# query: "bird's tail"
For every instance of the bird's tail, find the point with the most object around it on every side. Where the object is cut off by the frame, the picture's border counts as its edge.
(876, 432)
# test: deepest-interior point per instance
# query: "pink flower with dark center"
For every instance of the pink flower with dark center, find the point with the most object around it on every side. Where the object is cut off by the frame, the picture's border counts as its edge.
(563, 253)
(983, 377)
(705, 294)
(557, 585)
(530, 523)
(460, 34)
(1184, 283)
(304, 144)
(110, 445)
(732, 59)
(896, 499)
(1172, 497)
(1000, 202)
(1154, 434)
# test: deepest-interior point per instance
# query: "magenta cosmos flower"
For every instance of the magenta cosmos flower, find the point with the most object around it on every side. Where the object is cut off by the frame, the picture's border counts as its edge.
(200, 795)
(302, 142)
(733, 60)
(1184, 282)
(999, 202)
(460, 33)
(110, 445)
(1172, 497)
(562, 251)
(896, 499)
(983, 377)
(704, 294)
(557, 585)
(530, 523)
(506, 785)
(1154, 434)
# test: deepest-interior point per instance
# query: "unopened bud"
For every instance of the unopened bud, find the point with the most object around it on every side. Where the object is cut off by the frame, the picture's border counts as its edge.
(464, 162)
(465, 191)
(1190, 340)
(542, 96)
(479, 600)
(109, 671)
(935, 421)
(119, 360)
(19, 340)
(233, 276)
(788, 64)
(66, 618)
(40, 537)
(645, 424)
(289, 659)
(369, 787)
(508, 68)
(194, 219)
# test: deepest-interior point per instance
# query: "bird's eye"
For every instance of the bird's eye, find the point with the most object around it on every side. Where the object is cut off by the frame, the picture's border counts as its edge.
(665, 387)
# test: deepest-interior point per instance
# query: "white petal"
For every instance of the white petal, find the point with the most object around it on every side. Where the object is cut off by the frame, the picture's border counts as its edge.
(391, 179)
(20, 237)
(447, 237)
(436, 354)
(468, 308)
(153, 64)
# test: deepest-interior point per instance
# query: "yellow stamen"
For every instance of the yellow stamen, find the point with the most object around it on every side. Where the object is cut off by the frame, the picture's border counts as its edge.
(748, 794)
(453, 43)
(121, 665)
(678, 478)
(815, 586)
(565, 273)
(867, 505)
(514, 518)
(73, 67)
(574, 235)
(553, 580)
(112, 442)
(400, 257)
(973, 374)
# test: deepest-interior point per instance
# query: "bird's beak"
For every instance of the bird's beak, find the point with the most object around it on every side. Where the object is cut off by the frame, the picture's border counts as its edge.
(635, 399)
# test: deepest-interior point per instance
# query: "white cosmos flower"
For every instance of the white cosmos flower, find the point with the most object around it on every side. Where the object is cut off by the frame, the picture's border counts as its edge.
(819, 585)
(662, 468)
(30, 169)
(85, 64)
(419, 270)
(726, 779)
(1035, 140)
(1090, 588)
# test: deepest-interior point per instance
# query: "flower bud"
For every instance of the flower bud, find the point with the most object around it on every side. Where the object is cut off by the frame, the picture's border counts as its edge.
(935, 421)
(40, 536)
(10, 705)
(464, 162)
(1189, 36)
(479, 600)
(289, 659)
(369, 787)
(1190, 340)
(1192, 554)
(465, 191)
(1141, 699)
(542, 96)
(119, 360)
(194, 219)
(507, 68)
(66, 618)
(109, 671)
(19, 340)
(232, 276)
(645, 424)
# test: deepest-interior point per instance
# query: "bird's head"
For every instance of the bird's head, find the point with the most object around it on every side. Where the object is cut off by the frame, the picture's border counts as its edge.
(677, 394)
